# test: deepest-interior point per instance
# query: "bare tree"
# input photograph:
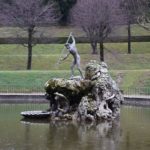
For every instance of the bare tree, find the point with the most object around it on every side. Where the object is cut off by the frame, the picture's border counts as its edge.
(28, 14)
(134, 11)
(143, 18)
(97, 19)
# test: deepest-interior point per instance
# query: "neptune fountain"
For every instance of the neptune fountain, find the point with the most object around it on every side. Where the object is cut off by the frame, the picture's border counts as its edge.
(92, 98)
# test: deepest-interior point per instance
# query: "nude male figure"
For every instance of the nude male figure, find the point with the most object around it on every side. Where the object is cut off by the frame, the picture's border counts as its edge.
(71, 47)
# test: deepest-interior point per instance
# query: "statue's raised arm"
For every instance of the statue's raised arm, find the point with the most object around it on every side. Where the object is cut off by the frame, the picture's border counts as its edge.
(73, 40)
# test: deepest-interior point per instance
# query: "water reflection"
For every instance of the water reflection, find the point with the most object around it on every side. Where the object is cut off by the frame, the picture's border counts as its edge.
(130, 133)
(27, 137)
(69, 135)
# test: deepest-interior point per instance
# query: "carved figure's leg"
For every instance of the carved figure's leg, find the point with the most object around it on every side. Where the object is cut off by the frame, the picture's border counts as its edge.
(79, 68)
(72, 69)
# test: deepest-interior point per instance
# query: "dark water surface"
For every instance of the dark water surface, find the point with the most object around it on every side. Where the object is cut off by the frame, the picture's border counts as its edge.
(132, 132)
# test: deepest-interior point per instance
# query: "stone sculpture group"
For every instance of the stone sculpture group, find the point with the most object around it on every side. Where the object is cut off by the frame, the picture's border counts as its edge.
(96, 97)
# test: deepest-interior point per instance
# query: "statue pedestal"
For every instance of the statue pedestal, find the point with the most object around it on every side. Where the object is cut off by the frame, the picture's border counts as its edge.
(94, 98)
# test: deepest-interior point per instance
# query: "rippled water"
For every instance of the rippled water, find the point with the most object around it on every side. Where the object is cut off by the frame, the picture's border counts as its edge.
(132, 132)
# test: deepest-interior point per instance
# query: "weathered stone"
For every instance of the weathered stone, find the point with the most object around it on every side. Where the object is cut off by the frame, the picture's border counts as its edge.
(94, 98)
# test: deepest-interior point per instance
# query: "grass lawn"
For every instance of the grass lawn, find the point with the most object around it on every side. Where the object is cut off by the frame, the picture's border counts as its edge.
(33, 81)
(27, 81)
(45, 57)
(133, 81)
(64, 31)
(133, 69)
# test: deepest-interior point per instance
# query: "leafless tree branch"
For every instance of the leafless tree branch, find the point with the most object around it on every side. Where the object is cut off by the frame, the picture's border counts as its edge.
(97, 18)
(28, 14)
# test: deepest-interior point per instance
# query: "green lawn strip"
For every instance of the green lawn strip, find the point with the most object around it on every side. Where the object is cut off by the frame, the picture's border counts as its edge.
(136, 30)
(61, 31)
(144, 83)
(121, 61)
(130, 82)
(27, 81)
(38, 63)
(40, 49)
(134, 81)
(129, 62)
(33, 81)
(136, 47)
(55, 31)
(146, 89)
(48, 49)
(48, 62)
(45, 57)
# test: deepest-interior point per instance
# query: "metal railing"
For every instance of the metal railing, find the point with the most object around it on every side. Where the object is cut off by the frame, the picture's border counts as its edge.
(144, 91)
(15, 88)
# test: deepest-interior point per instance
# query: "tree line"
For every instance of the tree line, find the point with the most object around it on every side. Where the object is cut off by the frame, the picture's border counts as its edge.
(64, 7)
(97, 18)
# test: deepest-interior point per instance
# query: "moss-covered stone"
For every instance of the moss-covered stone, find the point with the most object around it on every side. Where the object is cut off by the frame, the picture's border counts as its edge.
(94, 98)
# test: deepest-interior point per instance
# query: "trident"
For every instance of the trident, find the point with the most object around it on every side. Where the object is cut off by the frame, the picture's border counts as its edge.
(62, 51)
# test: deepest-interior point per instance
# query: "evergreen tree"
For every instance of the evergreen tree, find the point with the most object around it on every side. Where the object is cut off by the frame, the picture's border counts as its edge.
(64, 6)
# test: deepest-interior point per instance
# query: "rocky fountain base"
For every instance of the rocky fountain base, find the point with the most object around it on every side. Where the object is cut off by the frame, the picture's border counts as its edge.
(94, 98)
